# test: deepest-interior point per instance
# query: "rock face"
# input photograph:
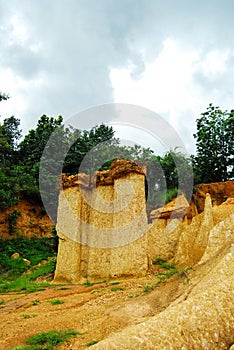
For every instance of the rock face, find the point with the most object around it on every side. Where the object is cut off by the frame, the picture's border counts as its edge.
(219, 192)
(101, 225)
(203, 317)
(103, 229)
(104, 233)
(31, 222)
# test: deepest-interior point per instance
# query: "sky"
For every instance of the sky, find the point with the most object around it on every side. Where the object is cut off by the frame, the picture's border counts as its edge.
(171, 57)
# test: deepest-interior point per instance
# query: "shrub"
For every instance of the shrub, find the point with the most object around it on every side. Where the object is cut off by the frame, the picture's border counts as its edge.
(12, 219)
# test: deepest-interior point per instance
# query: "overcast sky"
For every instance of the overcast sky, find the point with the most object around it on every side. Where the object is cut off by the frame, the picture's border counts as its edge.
(171, 56)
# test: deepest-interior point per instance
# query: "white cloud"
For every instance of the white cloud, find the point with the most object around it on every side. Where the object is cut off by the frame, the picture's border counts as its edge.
(168, 85)
(215, 63)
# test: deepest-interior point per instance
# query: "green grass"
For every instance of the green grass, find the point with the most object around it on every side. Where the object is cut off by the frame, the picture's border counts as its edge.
(170, 269)
(48, 340)
(90, 284)
(93, 342)
(15, 275)
(26, 281)
(28, 316)
(115, 289)
(115, 283)
(55, 301)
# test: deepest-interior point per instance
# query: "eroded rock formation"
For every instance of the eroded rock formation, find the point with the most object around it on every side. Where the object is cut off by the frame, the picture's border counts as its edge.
(102, 223)
(120, 242)
(203, 317)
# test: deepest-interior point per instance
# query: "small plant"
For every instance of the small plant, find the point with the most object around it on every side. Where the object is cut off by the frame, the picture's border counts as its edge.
(114, 289)
(115, 283)
(12, 219)
(213, 200)
(97, 290)
(164, 264)
(130, 296)
(224, 198)
(93, 342)
(90, 284)
(42, 212)
(171, 270)
(31, 221)
(48, 340)
(36, 302)
(28, 316)
(55, 301)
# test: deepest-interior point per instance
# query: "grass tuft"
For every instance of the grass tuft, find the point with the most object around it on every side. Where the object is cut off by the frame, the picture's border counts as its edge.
(48, 340)
(55, 301)
(93, 342)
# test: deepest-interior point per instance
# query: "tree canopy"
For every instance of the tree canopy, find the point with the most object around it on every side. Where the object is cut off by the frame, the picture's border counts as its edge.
(214, 160)
(72, 150)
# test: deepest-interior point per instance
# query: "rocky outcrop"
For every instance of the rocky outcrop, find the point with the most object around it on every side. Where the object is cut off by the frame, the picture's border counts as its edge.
(203, 317)
(101, 227)
(103, 233)
(175, 209)
(219, 192)
(103, 230)
(32, 221)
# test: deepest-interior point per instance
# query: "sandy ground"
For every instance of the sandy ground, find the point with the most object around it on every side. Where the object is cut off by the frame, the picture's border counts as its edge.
(95, 311)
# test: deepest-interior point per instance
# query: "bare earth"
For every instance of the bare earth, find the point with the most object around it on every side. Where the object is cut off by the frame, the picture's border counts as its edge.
(95, 311)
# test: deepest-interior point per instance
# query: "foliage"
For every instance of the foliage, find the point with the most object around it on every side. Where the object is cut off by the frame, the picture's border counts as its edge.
(168, 176)
(12, 218)
(15, 280)
(215, 143)
(48, 340)
(169, 270)
(93, 342)
(11, 270)
(4, 96)
(55, 301)
(115, 289)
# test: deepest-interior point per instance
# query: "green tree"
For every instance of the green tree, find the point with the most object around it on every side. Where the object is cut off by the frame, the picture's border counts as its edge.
(4, 96)
(32, 147)
(96, 144)
(11, 133)
(214, 160)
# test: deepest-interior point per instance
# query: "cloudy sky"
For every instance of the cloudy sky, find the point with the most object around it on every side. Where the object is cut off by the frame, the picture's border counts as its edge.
(173, 57)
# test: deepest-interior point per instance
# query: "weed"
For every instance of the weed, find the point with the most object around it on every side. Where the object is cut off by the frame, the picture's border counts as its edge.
(90, 284)
(31, 221)
(171, 270)
(93, 342)
(48, 340)
(28, 316)
(36, 302)
(55, 301)
(97, 290)
(114, 283)
(114, 289)
(12, 281)
(12, 219)
(130, 296)
(159, 261)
